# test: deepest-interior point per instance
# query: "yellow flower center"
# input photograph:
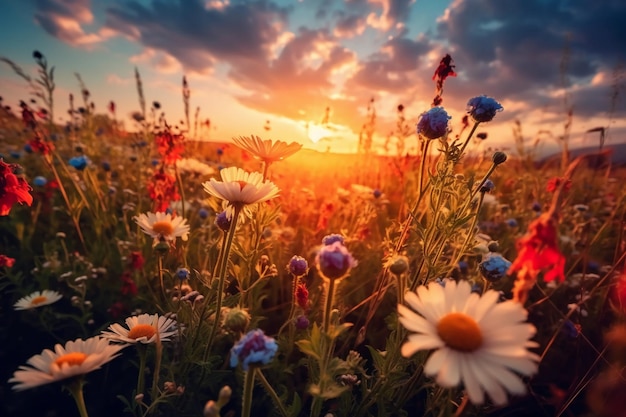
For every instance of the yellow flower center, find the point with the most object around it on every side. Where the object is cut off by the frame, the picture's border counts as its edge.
(460, 332)
(241, 184)
(38, 300)
(163, 227)
(142, 330)
(72, 359)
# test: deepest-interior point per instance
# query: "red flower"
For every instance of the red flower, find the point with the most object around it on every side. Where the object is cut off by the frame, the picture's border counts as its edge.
(555, 182)
(13, 189)
(128, 284)
(136, 260)
(6, 262)
(170, 146)
(112, 106)
(537, 252)
(162, 190)
(41, 146)
(302, 296)
(444, 70)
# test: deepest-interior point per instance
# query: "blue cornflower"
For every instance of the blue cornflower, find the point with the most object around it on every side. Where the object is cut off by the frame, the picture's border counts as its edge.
(40, 181)
(79, 162)
(182, 274)
(377, 193)
(511, 222)
(203, 213)
(433, 124)
(483, 108)
(28, 148)
(487, 186)
(254, 348)
(106, 166)
(494, 267)
(15, 154)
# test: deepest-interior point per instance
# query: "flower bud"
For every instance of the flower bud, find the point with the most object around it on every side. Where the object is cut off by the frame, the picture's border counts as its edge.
(298, 266)
(334, 261)
(498, 158)
(399, 265)
(236, 320)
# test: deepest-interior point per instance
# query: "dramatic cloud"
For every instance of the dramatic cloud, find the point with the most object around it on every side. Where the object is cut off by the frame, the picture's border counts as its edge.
(522, 49)
(63, 19)
(199, 37)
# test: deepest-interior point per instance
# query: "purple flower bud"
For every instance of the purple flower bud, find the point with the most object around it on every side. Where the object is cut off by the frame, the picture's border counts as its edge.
(254, 348)
(433, 124)
(483, 108)
(302, 323)
(334, 261)
(330, 239)
(298, 266)
(221, 221)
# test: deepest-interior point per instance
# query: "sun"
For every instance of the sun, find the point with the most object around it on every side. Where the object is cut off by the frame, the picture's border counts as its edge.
(318, 132)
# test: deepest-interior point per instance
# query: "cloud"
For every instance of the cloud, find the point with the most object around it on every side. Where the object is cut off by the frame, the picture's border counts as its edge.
(64, 19)
(523, 50)
(197, 36)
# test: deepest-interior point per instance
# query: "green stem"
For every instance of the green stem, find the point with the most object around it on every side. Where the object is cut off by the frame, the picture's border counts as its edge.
(221, 276)
(160, 273)
(141, 376)
(76, 389)
(248, 388)
(292, 311)
(328, 307)
(157, 367)
(271, 392)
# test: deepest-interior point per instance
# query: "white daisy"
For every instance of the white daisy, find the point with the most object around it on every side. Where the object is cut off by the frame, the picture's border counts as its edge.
(142, 329)
(37, 299)
(77, 357)
(162, 227)
(476, 340)
(239, 188)
(267, 150)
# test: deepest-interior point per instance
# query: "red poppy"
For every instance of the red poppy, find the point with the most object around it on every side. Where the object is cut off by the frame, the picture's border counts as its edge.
(13, 189)
(537, 252)
(6, 262)
(170, 146)
(555, 182)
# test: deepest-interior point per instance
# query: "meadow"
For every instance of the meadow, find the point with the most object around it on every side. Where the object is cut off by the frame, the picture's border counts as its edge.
(145, 273)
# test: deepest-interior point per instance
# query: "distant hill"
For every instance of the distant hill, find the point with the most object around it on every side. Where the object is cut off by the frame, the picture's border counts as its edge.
(618, 156)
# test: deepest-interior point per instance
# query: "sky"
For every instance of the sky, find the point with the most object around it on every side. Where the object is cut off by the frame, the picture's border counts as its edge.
(306, 70)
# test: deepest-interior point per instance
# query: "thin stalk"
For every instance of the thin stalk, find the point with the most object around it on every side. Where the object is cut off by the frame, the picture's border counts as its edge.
(76, 389)
(141, 376)
(248, 388)
(160, 273)
(271, 392)
(471, 133)
(292, 311)
(157, 366)
(328, 306)
(221, 275)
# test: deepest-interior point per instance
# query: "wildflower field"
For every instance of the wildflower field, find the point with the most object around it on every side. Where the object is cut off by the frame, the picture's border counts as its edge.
(144, 273)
